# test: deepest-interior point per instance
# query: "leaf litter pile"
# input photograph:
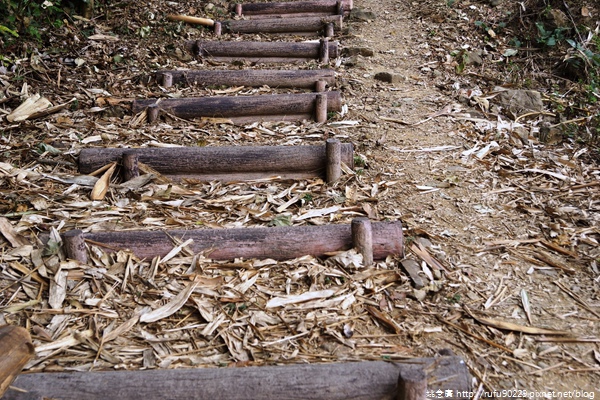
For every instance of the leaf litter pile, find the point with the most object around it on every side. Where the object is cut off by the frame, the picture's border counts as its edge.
(502, 253)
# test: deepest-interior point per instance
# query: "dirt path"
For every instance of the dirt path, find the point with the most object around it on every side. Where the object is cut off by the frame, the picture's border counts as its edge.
(512, 222)
(488, 218)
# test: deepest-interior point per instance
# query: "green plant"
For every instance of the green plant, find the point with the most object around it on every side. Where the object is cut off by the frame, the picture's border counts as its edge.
(29, 17)
(549, 37)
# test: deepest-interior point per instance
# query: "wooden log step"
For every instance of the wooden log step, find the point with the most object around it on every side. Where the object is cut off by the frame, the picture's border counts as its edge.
(368, 380)
(292, 25)
(280, 243)
(233, 107)
(225, 163)
(15, 351)
(313, 7)
(261, 52)
(305, 79)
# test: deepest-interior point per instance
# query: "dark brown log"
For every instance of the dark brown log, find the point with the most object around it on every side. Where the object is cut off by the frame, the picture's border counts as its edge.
(375, 380)
(321, 108)
(362, 237)
(15, 351)
(250, 77)
(333, 151)
(280, 243)
(306, 25)
(75, 246)
(260, 50)
(130, 165)
(219, 163)
(328, 7)
(412, 384)
(235, 106)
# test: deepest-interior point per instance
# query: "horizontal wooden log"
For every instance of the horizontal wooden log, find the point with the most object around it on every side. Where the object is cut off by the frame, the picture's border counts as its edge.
(260, 50)
(218, 163)
(375, 380)
(235, 106)
(280, 243)
(314, 25)
(329, 7)
(15, 351)
(305, 79)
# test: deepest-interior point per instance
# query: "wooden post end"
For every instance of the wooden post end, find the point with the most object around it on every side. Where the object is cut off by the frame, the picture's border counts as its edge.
(324, 51)
(130, 165)
(362, 238)
(218, 28)
(412, 384)
(329, 30)
(320, 86)
(152, 111)
(321, 108)
(333, 154)
(75, 245)
(167, 80)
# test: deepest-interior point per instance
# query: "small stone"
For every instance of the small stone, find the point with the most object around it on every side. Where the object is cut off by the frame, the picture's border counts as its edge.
(354, 61)
(474, 57)
(362, 16)
(519, 102)
(360, 51)
(389, 77)
(419, 295)
(413, 269)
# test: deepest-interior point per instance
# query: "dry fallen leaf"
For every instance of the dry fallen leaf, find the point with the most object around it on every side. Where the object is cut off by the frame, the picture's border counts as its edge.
(102, 185)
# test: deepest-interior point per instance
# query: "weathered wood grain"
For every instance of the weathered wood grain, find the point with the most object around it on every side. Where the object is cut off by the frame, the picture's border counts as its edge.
(280, 243)
(376, 380)
(313, 25)
(223, 162)
(260, 50)
(330, 7)
(305, 79)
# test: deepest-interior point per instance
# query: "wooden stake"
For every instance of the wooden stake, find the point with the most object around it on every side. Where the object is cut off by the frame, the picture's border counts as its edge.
(333, 154)
(320, 86)
(329, 30)
(324, 51)
(130, 165)
(167, 79)
(362, 237)
(191, 20)
(75, 246)
(15, 351)
(152, 112)
(321, 108)
(238, 9)
(274, 78)
(412, 384)
(218, 28)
